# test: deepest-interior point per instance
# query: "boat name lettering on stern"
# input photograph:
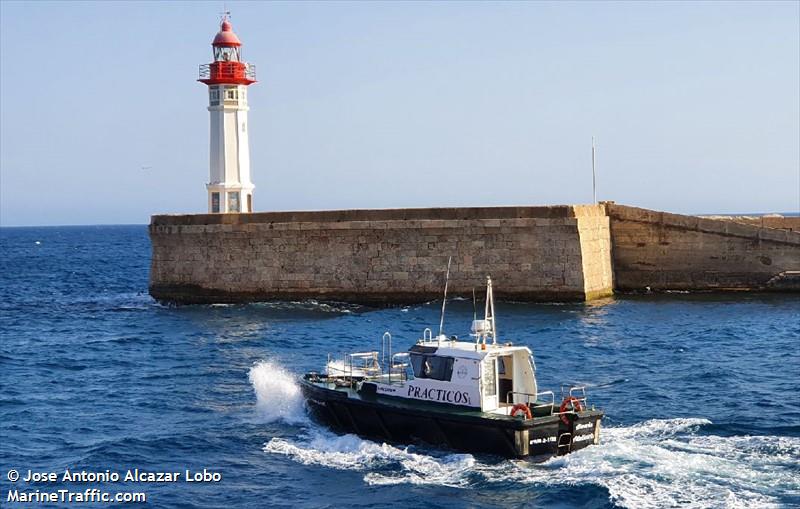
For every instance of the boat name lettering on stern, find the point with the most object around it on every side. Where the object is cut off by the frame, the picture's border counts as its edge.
(458, 397)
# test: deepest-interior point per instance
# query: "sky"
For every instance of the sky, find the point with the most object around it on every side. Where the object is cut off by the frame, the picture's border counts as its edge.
(695, 106)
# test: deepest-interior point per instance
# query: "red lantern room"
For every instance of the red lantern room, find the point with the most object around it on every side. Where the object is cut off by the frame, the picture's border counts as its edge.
(227, 67)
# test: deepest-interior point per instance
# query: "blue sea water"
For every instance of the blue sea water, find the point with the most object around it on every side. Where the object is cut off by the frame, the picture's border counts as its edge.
(700, 391)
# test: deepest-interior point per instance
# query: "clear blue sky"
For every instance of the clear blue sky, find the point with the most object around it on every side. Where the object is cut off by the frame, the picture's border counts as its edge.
(696, 106)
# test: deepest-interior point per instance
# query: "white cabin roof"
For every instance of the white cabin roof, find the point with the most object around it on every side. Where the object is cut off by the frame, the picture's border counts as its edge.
(470, 350)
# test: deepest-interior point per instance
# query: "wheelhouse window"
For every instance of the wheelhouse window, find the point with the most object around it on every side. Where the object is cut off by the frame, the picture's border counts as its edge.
(432, 366)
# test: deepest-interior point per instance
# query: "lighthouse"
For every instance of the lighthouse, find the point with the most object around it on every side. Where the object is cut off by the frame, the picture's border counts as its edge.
(229, 187)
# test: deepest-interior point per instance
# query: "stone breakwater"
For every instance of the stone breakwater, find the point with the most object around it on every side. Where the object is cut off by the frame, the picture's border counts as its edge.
(395, 256)
(666, 251)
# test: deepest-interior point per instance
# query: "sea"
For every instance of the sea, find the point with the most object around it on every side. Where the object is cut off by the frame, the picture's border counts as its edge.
(700, 393)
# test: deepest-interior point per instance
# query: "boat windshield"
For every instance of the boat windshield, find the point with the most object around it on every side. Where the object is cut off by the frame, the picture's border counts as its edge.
(432, 366)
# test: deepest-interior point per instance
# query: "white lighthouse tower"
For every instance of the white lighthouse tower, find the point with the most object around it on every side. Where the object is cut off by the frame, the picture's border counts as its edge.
(229, 187)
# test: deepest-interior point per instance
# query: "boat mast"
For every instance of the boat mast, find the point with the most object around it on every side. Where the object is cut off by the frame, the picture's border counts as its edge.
(474, 306)
(444, 299)
(489, 314)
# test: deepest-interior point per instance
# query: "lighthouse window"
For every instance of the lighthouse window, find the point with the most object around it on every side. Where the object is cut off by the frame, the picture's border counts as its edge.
(232, 95)
(233, 202)
(226, 54)
(215, 203)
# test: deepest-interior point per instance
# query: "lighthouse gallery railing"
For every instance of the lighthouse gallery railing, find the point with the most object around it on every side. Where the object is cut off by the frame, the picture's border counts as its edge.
(227, 71)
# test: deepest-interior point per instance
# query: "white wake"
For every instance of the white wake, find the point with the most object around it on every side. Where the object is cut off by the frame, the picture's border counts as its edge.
(349, 452)
(653, 464)
(664, 463)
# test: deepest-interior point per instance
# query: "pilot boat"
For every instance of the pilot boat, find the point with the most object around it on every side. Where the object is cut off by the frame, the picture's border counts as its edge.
(476, 396)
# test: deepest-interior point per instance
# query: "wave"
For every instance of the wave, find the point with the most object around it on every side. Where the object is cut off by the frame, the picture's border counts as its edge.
(123, 301)
(88, 301)
(603, 385)
(277, 395)
(315, 305)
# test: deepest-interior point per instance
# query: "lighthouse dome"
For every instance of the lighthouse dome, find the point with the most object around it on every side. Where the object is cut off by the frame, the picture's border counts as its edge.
(225, 36)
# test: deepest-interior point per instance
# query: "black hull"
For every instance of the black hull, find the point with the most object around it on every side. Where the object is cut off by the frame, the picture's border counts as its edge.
(467, 431)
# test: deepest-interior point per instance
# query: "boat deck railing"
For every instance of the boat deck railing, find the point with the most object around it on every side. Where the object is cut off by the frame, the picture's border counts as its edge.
(354, 365)
(574, 391)
(533, 400)
(398, 369)
(539, 400)
(383, 366)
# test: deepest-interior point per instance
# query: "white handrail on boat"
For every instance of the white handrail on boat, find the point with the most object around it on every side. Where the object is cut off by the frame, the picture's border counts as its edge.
(348, 368)
(576, 391)
(399, 367)
(536, 404)
(386, 339)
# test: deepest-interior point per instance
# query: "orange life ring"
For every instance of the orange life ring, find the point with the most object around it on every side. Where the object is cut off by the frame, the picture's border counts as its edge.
(521, 407)
(576, 407)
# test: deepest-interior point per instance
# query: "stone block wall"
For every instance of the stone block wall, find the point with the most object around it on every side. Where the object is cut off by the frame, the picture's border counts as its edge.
(397, 256)
(382, 256)
(791, 223)
(593, 232)
(666, 251)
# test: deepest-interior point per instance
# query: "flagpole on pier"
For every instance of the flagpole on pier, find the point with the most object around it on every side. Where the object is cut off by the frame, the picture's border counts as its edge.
(594, 175)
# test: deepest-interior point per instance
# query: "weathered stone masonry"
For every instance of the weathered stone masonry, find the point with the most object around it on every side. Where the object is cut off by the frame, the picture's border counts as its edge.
(382, 256)
(666, 251)
(396, 256)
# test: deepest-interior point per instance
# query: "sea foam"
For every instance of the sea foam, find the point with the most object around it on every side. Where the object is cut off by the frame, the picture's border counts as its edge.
(277, 395)
(664, 463)
(349, 452)
(647, 465)
(652, 464)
